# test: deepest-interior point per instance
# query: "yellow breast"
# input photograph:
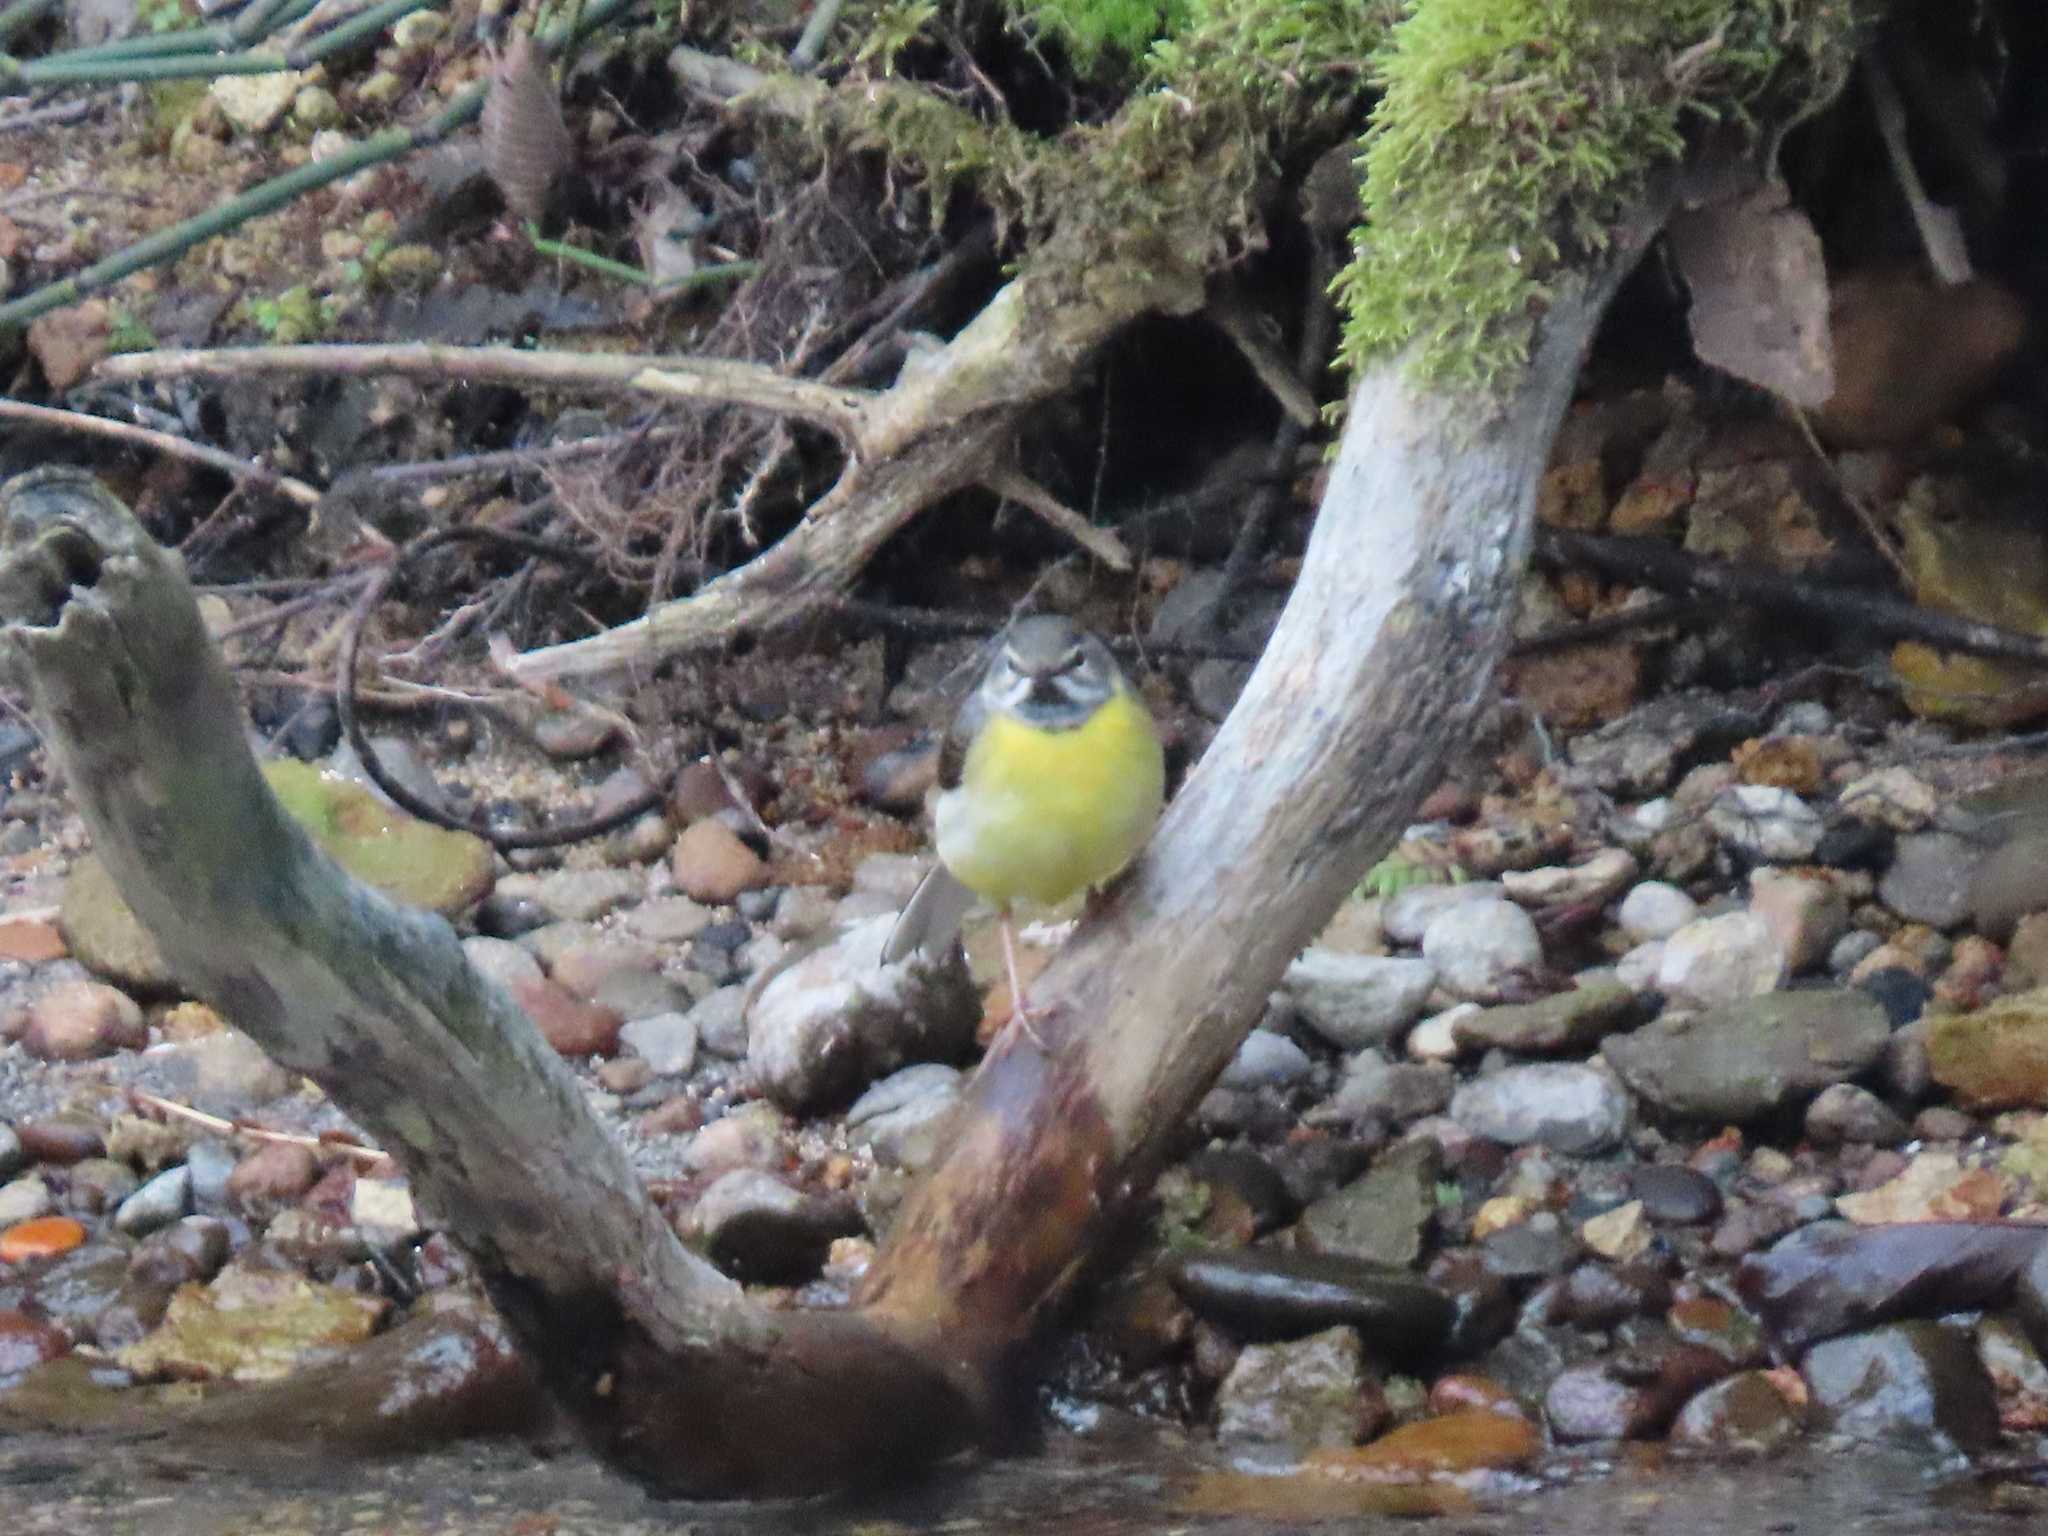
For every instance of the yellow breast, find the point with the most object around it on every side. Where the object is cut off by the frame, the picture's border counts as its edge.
(1042, 815)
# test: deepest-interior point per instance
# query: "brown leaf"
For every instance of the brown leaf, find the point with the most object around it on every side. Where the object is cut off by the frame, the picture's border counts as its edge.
(527, 148)
(1759, 293)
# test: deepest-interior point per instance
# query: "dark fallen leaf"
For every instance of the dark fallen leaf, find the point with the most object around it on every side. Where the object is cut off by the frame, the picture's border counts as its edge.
(1832, 1278)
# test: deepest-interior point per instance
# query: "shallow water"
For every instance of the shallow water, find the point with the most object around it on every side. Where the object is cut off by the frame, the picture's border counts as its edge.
(1143, 1483)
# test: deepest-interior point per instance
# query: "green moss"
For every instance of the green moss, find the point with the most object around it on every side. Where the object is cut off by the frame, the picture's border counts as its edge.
(1510, 135)
(1092, 28)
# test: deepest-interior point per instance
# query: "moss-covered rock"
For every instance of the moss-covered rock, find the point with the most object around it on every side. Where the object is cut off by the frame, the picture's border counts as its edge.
(1997, 1057)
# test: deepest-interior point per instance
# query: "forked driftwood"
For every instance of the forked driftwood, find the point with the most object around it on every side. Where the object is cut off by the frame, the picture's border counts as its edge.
(1382, 655)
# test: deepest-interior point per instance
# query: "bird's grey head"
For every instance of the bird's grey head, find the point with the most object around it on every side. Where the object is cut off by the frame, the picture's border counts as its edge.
(1051, 672)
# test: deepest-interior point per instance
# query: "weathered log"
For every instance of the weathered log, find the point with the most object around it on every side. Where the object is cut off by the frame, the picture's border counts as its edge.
(1381, 658)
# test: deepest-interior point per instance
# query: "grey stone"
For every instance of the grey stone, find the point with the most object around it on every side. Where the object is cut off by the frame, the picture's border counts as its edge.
(1564, 1106)
(24, 1199)
(1850, 950)
(669, 919)
(2010, 883)
(584, 895)
(639, 995)
(1381, 1217)
(721, 1020)
(1394, 1091)
(1285, 1400)
(12, 1158)
(667, 1042)
(1673, 1193)
(508, 964)
(1481, 948)
(1354, 1001)
(1929, 878)
(210, 1163)
(1406, 914)
(903, 1117)
(1747, 1059)
(1266, 1060)
(1906, 1384)
(1565, 1021)
(159, 1202)
(1844, 1112)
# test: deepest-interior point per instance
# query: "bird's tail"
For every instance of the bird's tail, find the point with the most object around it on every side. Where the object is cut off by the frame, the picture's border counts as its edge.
(931, 918)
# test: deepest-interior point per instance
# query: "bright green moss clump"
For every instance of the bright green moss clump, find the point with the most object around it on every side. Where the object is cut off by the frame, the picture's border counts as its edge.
(1510, 135)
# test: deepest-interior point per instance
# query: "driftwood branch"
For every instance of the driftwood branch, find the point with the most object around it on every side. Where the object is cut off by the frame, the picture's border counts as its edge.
(1655, 563)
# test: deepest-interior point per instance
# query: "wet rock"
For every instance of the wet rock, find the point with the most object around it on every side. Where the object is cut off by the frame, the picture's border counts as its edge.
(759, 1229)
(1622, 1234)
(271, 1178)
(61, 1139)
(1539, 1248)
(1568, 1107)
(1904, 1383)
(212, 1164)
(253, 1325)
(1997, 1057)
(105, 934)
(1742, 1061)
(1406, 915)
(721, 1020)
(225, 1073)
(97, 1185)
(502, 916)
(1890, 797)
(1638, 754)
(1675, 1195)
(2018, 1376)
(157, 1203)
(1746, 1415)
(1565, 1021)
(903, 1118)
(584, 895)
(26, 1342)
(710, 864)
(1594, 881)
(79, 1020)
(668, 920)
(1766, 822)
(1394, 1092)
(1264, 1294)
(2009, 884)
(410, 861)
(73, 1290)
(667, 1042)
(1655, 910)
(1804, 915)
(1354, 1001)
(1845, 1112)
(1266, 1059)
(1629, 1398)
(837, 1019)
(1483, 1302)
(1929, 878)
(1383, 1216)
(190, 1248)
(586, 968)
(1285, 1400)
(1719, 960)
(1483, 949)
(572, 1026)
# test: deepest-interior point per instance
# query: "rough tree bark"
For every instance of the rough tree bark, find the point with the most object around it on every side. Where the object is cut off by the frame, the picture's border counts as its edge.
(1383, 654)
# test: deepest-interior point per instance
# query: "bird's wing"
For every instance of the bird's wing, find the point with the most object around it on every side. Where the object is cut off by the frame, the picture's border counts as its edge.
(968, 720)
(930, 919)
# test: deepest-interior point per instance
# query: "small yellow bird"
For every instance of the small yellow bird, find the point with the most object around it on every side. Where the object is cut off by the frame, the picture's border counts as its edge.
(1052, 778)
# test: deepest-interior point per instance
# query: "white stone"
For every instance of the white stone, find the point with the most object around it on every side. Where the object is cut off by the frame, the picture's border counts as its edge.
(1480, 947)
(1358, 1000)
(1655, 909)
(1436, 1037)
(1405, 914)
(1767, 822)
(1723, 959)
(1595, 880)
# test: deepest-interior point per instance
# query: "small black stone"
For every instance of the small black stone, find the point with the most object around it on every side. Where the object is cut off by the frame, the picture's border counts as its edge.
(1902, 995)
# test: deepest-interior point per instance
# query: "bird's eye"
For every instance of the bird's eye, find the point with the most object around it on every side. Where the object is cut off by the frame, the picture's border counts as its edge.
(1071, 662)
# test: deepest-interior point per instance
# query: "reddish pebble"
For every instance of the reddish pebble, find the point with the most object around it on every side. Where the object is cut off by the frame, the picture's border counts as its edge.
(572, 1026)
(42, 1238)
(62, 1140)
(274, 1175)
(80, 1020)
(31, 940)
(25, 1341)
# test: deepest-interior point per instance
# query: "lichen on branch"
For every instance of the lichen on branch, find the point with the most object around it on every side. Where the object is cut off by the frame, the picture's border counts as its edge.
(1510, 134)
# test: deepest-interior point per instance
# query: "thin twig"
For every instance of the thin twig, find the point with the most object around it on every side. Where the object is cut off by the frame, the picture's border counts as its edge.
(44, 117)
(1941, 235)
(221, 1126)
(1245, 327)
(162, 442)
(1014, 485)
(712, 379)
(1872, 528)
(804, 56)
